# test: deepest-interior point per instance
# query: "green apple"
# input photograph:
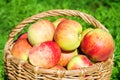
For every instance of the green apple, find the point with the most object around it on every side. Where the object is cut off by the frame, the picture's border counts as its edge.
(78, 62)
(68, 35)
(41, 31)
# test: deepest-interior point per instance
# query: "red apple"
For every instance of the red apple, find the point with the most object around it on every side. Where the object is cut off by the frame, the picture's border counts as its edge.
(78, 62)
(45, 55)
(98, 44)
(56, 22)
(58, 67)
(41, 31)
(21, 49)
(66, 57)
(23, 36)
(68, 35)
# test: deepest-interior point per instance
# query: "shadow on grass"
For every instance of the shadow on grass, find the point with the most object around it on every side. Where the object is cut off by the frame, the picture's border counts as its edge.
(5, 77)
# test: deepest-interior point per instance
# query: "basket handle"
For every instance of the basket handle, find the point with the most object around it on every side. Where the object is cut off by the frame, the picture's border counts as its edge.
(86, 17)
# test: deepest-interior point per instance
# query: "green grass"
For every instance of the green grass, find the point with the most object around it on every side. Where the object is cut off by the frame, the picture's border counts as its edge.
(106, 11)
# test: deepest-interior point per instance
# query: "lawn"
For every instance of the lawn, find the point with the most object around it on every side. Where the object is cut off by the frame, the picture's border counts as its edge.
(106, 11)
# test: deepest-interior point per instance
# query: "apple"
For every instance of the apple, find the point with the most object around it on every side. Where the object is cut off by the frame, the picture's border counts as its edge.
(56, 22)
(21, 49)
(23, 36)
(68, 35)
(85, 32)
(78, 62)
(42, 30)
(45, 55)
(66, 56)
(98, 44)
(58, 67)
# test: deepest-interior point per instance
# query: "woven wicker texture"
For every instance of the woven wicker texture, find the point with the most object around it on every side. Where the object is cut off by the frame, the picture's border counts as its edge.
(20, 70)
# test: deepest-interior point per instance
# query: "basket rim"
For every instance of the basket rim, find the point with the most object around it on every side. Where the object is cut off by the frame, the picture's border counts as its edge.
(79, 72)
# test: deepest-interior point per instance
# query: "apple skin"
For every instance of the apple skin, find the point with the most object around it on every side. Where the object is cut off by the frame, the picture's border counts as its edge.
(21, 49)
(68, 35)
(23, 36)
(56, 22)
(42, 30)
(58, 67)
(85, 32)
(45, 55)
(98, 45)
(66, 56)
(78, 62)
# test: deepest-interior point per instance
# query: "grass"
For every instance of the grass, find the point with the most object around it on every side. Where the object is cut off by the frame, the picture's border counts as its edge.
(106, 11)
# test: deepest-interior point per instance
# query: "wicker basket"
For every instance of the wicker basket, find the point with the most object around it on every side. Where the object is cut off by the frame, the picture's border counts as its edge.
(20, 70)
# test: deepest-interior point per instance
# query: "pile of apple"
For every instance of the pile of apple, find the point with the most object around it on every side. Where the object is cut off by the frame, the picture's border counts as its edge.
(63, 45)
